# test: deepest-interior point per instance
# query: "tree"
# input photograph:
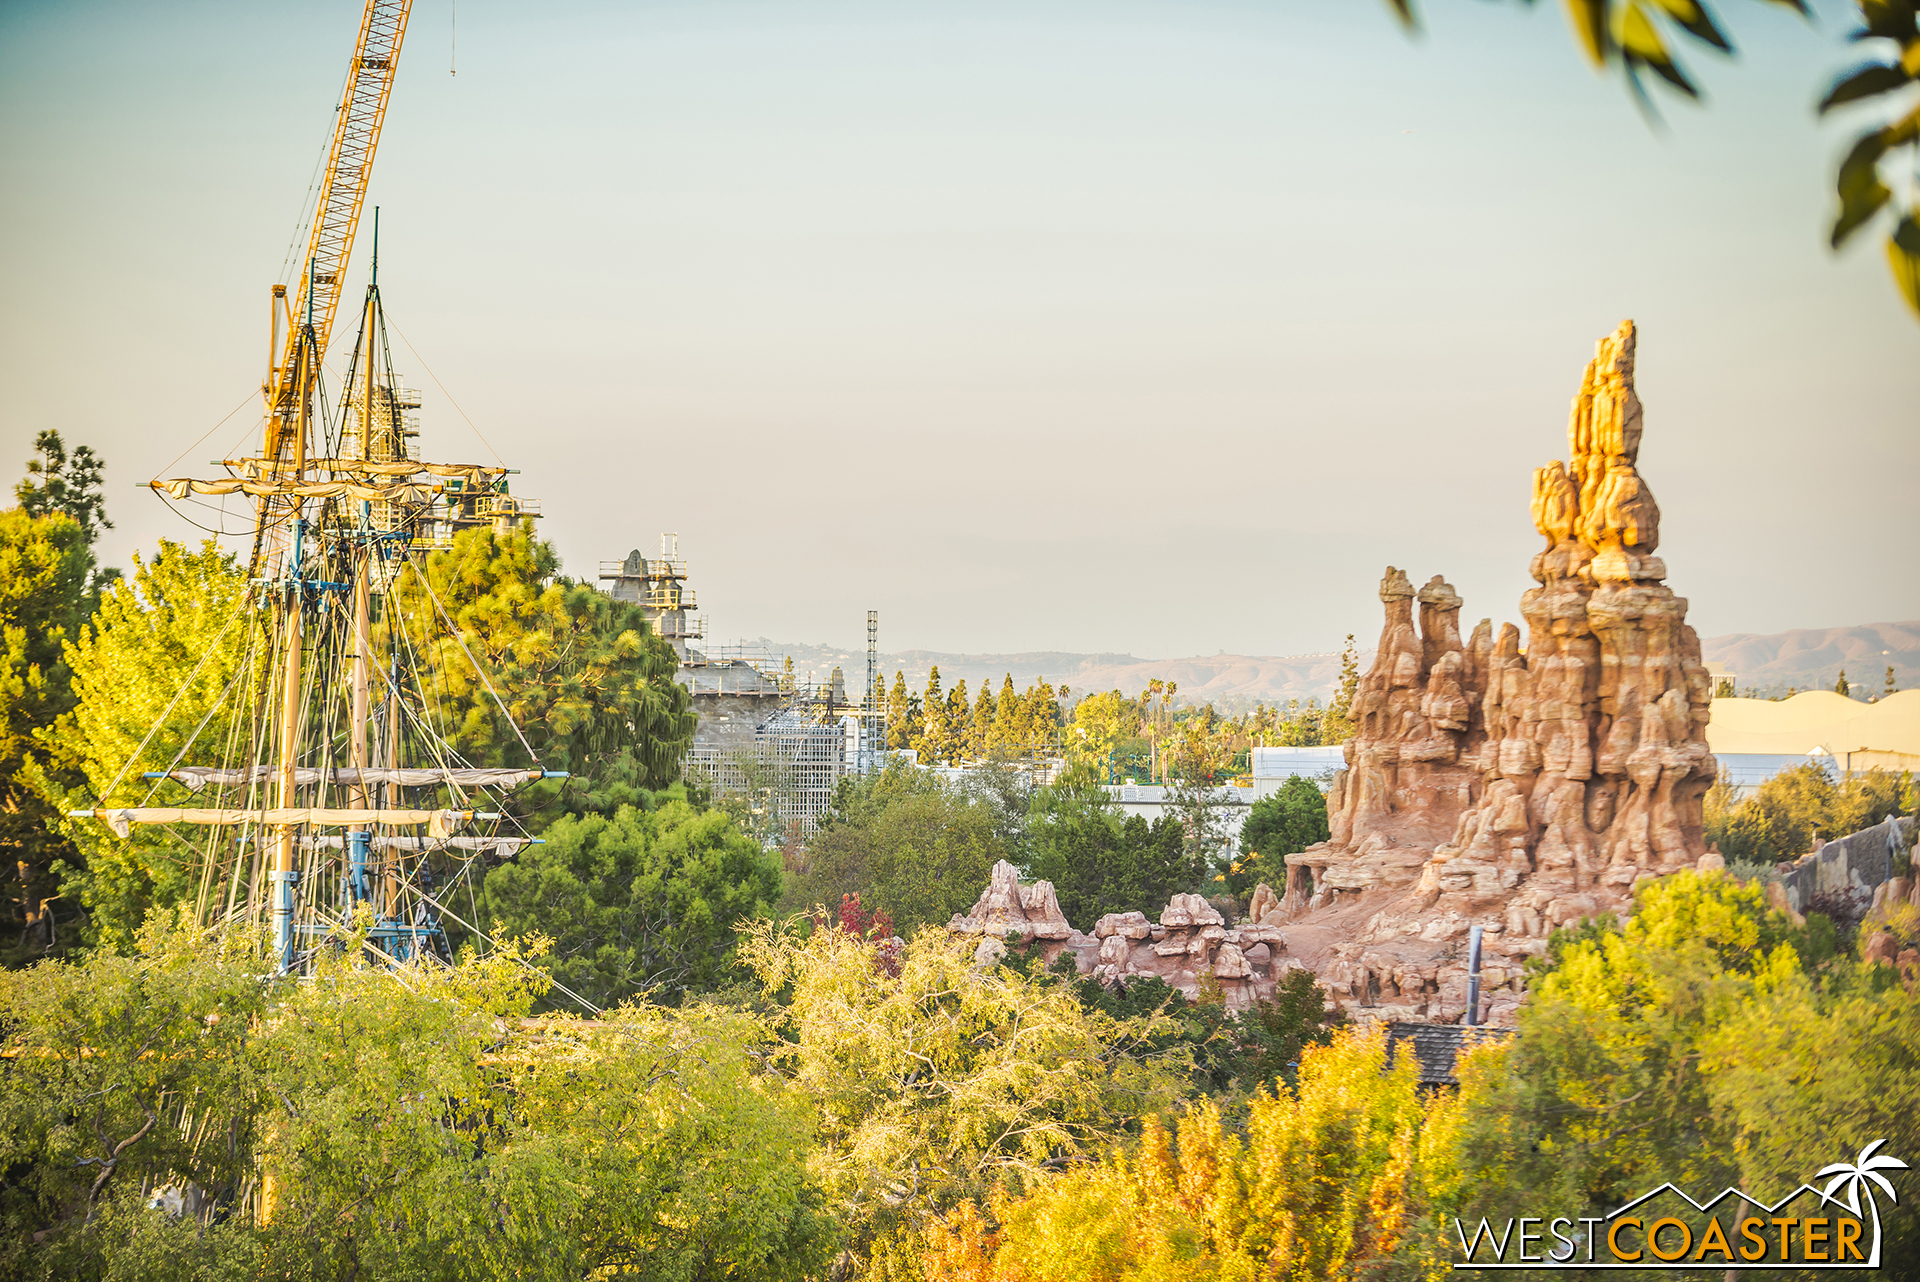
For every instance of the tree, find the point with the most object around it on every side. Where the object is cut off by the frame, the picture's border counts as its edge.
(588, 685)
(903, 715)
(945, 1081)
(644, 900)
(1634, 35)
(959, 721)
(935, 740)
(980, 740)
(385, 1123)
(1891, 686)
(1100, 722)
(908, 843)
(1840, 686)
(70, 487)
(1696, 1042)
(167, 665)
(44, 601)
(1277, 826)
(1342, 1178)
(1337, 726)
(1100, 862)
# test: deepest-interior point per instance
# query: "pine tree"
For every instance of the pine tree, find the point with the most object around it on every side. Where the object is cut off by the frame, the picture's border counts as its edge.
(1337, 725)
(959, 721)
(1892, 686)
(1006, 715)
(57, 483)
(933, 741)
(1841, 687)
(980, 739)
(903, 719)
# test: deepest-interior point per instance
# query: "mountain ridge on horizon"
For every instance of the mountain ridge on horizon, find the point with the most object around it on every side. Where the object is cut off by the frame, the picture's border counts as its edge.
(1801, 658)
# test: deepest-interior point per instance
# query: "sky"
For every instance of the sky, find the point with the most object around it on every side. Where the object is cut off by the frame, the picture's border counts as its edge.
(1132, 327)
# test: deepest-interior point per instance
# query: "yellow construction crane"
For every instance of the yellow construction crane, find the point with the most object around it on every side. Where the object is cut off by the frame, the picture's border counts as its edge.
(294, 363)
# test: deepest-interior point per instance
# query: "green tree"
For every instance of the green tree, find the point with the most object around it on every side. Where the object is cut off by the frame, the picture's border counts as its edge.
(943, 1080)
(908, 843)
(1101, 862)
(1696, 1042)
(1634, 35)
(45, 565)
(1337, 725)
(583, 677)
(68, 486)
(1277, 826)
(903, 715)
(935, 741)
(1840, 686)
(1100, 723)
(644, 900)
(959, 721)
(980, 741)
(157, 677)
(382, 1123)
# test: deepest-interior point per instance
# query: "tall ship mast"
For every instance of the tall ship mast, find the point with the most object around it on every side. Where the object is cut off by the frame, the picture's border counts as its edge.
(337, 810)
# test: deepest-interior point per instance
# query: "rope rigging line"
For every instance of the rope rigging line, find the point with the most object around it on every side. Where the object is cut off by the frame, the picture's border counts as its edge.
(449, 395)
(461, 642)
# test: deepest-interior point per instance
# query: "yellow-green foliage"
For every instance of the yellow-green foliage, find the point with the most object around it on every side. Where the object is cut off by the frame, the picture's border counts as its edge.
(949, 1079)
(1341, 1177)
(393, 1123)
(1696, 1044)
(162, 659)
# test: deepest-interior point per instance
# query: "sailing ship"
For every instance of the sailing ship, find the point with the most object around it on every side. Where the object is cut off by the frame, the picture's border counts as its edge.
(335, 809)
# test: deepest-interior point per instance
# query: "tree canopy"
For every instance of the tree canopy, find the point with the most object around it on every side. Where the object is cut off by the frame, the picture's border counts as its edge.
(645, 899)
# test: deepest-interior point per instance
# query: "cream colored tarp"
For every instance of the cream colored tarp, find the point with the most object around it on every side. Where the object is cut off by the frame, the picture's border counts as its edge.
(255, 468)
(1859, 736)
(183, 486)
(440, 823)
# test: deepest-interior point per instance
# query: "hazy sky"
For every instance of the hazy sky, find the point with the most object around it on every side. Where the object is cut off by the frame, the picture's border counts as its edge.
(1149, 327)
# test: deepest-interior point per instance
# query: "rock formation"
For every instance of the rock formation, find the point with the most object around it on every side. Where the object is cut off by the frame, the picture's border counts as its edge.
(1519, 787)
(1515, 787)
(1190, 941)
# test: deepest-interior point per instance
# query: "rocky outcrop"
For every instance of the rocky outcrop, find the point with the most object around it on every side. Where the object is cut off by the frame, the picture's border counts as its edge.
(1519, 783)
(1008, 908)
(1190, 942)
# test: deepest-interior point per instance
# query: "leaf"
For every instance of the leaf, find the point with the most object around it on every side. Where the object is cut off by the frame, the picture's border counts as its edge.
(1641, 44)
(1903, 257)
(1697, 21)
(1589, 21)
(1861, 191)
(1863, 82)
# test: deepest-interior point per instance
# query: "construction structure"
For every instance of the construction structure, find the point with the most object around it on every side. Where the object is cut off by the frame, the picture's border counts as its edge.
(764, 732)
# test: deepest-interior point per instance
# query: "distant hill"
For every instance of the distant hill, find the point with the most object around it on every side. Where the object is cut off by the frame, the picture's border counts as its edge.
(1811, 658)
(1806, 658)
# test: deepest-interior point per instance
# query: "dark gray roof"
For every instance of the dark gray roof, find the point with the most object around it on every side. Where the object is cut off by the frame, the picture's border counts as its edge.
(1436, 1046)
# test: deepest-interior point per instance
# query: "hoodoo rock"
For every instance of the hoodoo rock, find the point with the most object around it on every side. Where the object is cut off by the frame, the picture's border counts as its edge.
(1517, 786)
(1490, 782)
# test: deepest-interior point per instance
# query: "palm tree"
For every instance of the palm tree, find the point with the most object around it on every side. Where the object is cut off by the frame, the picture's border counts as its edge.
(1865, 1167)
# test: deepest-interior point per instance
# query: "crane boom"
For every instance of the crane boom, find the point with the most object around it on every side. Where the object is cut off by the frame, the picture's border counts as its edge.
(336, 216)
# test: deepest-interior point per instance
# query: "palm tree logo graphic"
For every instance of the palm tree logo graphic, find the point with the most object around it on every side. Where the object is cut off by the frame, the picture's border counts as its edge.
(1855, 1177)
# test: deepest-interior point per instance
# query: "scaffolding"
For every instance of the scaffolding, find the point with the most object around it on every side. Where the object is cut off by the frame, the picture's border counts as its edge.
(658, 585)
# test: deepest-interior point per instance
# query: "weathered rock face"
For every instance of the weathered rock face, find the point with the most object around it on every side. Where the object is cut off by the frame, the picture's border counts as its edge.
(1189, 942)
(1515, 787)
(1006, 907)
